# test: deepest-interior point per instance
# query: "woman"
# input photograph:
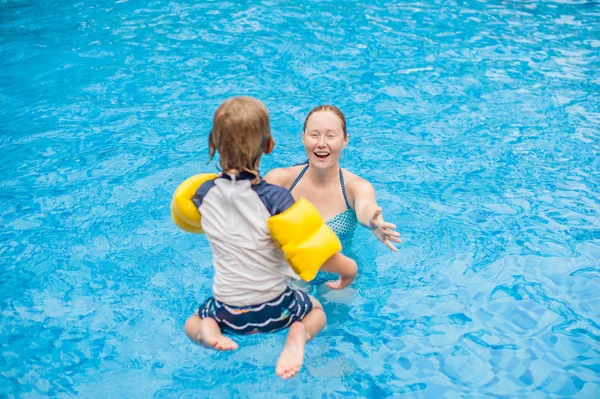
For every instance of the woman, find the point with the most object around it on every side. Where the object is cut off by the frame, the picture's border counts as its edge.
(343, 198)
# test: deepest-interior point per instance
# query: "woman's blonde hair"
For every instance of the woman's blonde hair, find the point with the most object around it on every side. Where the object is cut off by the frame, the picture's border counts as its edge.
(328, 108)
(240, 133)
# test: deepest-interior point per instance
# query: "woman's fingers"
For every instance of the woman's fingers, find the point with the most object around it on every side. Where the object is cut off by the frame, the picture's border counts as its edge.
(391, 233)
(386, 225)
(390, 246)
(385, 231)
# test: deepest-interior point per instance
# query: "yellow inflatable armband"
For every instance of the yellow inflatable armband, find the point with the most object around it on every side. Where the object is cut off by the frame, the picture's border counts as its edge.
(184, 212)
(305, 239)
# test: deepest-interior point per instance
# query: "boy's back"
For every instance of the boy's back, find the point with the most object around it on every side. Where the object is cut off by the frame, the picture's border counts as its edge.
(249, 266)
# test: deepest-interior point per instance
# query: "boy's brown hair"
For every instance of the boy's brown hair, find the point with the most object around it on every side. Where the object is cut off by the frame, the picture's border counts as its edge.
(241, 133)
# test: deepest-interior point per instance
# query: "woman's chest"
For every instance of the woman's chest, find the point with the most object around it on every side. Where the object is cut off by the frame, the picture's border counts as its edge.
(329, 201)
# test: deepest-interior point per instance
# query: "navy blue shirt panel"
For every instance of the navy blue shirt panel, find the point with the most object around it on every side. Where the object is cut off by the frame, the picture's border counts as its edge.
(276, 199)
(201, 192)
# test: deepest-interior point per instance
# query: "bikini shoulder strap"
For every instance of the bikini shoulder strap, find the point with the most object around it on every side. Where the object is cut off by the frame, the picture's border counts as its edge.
(343, 189)
(298, 178)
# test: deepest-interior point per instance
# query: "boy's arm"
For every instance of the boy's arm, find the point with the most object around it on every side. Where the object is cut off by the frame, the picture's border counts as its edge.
(306, 241)
(342, 265)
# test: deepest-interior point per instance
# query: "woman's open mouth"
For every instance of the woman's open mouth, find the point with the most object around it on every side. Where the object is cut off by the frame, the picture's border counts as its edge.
(321, 155)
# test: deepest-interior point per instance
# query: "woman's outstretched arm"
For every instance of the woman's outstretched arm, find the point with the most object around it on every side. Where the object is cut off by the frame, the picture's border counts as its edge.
(369, 214)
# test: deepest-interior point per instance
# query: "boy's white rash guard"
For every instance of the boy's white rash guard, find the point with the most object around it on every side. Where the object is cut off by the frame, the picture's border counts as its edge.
(250, 268)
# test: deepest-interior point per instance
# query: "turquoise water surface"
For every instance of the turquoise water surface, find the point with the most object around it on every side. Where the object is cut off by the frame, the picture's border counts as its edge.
(478, 123)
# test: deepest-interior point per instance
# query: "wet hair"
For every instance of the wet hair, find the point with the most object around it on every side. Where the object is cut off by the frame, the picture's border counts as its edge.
(331, 108)
(240, 133)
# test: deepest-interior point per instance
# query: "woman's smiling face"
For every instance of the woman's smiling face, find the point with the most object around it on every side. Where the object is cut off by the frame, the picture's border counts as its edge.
(324, 139)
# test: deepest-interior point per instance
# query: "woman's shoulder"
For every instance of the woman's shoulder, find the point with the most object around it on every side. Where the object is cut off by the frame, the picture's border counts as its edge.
(355, 183)
(353, 178)
(283, 177)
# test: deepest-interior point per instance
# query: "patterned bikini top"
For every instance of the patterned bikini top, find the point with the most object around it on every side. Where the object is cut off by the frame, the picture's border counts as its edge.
(343, 223)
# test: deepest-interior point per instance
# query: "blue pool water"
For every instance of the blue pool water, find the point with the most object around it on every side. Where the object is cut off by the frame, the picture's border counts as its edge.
(477, 122)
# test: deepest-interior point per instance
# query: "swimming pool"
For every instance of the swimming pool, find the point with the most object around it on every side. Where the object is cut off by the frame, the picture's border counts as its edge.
(477, 122)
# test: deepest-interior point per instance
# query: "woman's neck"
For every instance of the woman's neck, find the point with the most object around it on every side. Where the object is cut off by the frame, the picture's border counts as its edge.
(323, 177)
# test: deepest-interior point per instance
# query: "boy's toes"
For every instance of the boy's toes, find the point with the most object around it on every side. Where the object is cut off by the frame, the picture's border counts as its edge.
(290, 373)
(225, 344)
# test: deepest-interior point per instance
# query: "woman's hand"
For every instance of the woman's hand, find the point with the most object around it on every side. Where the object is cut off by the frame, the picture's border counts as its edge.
(384, 231)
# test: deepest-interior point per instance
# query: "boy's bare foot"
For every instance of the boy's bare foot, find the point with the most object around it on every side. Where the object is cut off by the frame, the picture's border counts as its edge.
(221, 343)
(210, 336)
(207, 333)
(291, 358)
